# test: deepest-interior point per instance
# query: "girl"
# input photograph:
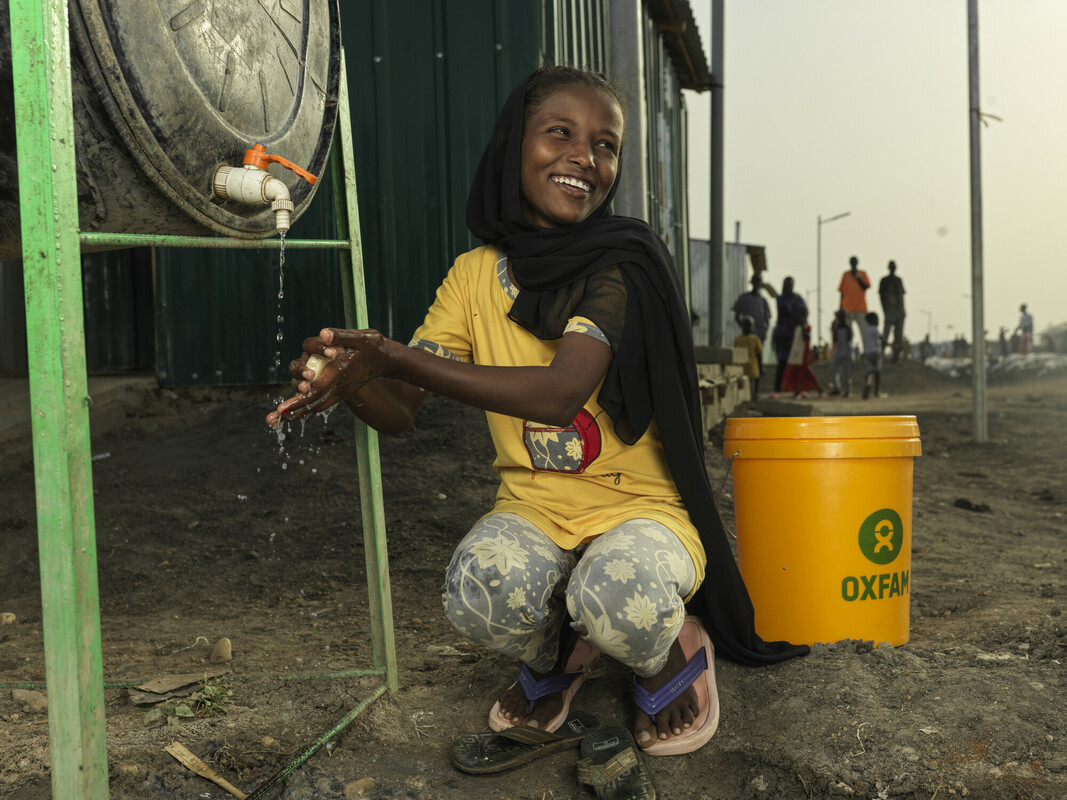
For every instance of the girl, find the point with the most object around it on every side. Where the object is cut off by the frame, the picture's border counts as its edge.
(568, 328)
(799, 378)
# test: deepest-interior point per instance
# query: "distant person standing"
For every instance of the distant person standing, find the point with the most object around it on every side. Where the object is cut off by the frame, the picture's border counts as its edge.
(1003, 341)
(841, 358)
(891, 293)
(789, 305)
(853, 289)
(926, 348)
(754, 306)
(1025, 329)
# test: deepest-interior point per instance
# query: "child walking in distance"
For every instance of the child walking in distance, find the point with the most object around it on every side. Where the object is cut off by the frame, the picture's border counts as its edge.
(799, 378)
(841, 357)
(751, 343)
(568, 328)
(872, 356)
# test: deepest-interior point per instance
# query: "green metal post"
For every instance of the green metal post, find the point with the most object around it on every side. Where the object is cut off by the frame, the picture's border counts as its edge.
(370, 470)
(59, 399)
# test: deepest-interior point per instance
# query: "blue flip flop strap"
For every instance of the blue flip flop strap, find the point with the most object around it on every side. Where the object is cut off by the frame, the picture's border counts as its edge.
(535, 689)
(654, 702)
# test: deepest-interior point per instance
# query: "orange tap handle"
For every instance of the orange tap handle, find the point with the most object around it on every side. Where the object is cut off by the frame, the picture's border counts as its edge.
(259, 157)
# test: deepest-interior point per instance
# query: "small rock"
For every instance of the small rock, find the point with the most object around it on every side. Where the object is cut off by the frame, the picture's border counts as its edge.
(7, 618)
(269, 741)
(223, 652)
(981, 508)
(31, 701)
(442, 496)
(358, 789)
(129, 769)
(443, 650)
(416, 621)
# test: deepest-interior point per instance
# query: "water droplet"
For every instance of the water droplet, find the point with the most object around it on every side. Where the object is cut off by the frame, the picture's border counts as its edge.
(281, 319)
(285, 466)
(281, 294)
(280, 336)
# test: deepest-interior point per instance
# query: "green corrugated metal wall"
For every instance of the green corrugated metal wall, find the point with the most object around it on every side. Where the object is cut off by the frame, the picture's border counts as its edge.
(119, 325)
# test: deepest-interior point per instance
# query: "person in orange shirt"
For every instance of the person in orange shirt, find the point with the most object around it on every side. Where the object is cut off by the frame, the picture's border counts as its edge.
(853, 289)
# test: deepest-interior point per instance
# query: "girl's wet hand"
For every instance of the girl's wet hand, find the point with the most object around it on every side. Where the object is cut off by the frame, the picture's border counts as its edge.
(369, 350)
(354, 357)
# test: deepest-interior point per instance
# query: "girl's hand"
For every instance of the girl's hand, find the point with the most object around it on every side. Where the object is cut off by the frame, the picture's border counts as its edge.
(355, 357)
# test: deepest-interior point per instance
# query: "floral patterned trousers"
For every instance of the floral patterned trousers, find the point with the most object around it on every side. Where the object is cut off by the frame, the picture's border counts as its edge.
(508, 582)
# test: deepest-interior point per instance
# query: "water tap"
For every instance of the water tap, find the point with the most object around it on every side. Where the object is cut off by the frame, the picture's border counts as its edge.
(252, 184)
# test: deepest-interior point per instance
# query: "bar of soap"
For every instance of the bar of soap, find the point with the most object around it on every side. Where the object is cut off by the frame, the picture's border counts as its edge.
(316, 364)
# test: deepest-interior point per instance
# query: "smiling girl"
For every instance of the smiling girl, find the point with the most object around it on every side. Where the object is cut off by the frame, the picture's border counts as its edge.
(568, 328)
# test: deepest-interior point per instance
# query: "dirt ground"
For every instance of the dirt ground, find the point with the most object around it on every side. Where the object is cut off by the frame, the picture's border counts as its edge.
(200, 532)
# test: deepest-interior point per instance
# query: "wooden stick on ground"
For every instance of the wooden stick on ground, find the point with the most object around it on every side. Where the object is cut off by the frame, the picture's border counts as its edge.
(181, 752)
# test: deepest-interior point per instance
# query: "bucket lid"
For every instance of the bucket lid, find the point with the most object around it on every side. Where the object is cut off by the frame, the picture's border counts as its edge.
(822, 437)
(895, 427)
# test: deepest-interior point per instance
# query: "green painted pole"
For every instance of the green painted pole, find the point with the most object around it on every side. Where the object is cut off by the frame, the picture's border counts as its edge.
(206, 242)
(59, 398)
(368, 457)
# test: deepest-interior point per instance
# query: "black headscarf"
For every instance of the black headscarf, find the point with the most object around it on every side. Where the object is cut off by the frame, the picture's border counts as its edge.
(653, 371)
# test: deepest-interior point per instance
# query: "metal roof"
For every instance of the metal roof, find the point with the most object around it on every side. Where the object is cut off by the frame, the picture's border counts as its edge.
(674, 20)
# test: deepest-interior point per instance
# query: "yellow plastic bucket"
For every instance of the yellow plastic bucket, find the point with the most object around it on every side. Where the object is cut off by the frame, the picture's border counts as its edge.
(823, 516)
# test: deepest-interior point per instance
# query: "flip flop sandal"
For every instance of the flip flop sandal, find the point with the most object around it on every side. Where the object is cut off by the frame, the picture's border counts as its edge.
(582, 659)
(699, 672)
(496, 751)
(611, 768)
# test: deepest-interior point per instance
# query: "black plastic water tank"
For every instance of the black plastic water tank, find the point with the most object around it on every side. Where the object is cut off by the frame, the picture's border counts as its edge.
(167, 90)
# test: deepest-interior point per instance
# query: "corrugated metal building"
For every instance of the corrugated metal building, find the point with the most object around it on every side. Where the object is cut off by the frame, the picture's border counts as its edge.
(425, 87)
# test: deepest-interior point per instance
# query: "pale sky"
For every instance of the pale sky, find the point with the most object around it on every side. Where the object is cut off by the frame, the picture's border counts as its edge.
(862, 106)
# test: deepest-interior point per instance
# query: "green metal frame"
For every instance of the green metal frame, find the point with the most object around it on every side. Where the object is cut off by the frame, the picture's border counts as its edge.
(59, 398)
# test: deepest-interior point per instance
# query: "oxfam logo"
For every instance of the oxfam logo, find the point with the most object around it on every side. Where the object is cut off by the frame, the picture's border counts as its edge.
(882, 536)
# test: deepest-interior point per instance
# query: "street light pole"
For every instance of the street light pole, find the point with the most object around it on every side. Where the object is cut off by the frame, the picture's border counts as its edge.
(981, 433)
(929, 319)
(818, 268)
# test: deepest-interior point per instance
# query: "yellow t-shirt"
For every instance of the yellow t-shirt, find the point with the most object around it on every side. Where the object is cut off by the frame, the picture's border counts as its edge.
(575, 482)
